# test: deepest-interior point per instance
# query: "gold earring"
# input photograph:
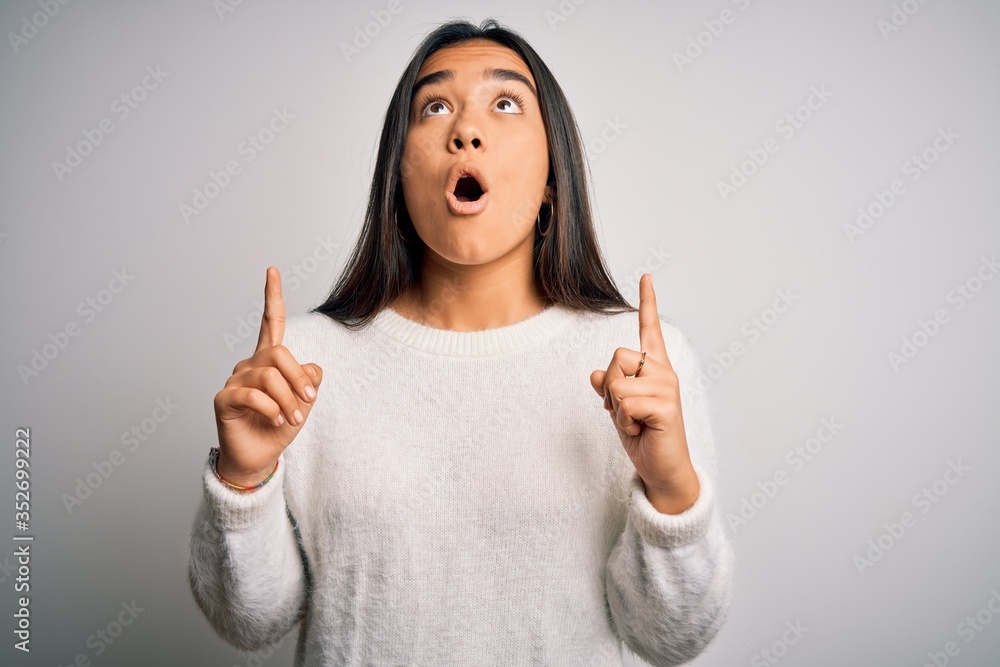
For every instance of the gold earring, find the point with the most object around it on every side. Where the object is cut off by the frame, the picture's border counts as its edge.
(398, 232)
(552, 217)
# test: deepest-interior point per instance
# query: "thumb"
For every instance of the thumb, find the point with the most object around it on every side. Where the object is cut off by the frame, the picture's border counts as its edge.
(597, 382)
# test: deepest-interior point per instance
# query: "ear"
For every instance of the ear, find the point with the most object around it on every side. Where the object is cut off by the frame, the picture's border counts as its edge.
(548, 197)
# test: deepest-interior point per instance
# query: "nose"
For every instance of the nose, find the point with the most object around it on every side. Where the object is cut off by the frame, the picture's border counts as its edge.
(466, 134)
(475, 143)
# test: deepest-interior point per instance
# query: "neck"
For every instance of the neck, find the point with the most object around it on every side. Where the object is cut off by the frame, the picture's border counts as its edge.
(472, 298)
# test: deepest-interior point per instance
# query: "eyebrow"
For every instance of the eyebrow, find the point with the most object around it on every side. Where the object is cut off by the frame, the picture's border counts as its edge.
(489, 74)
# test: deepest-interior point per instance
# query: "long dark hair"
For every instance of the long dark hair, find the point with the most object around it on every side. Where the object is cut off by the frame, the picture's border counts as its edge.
(569, 268)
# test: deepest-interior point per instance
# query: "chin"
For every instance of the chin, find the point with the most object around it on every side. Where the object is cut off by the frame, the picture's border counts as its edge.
(466, 251)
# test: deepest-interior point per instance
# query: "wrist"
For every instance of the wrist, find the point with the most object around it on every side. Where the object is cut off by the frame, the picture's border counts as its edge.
(676, 498)
(237, 479)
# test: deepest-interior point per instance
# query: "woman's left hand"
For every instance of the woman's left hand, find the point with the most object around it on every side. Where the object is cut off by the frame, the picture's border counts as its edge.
(646, 411)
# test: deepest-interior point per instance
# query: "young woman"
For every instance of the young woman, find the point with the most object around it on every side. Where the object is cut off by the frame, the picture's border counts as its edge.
(453, 493)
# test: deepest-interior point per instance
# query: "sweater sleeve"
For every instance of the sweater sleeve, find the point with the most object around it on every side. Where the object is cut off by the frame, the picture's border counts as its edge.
(668, 576)
(245, 569)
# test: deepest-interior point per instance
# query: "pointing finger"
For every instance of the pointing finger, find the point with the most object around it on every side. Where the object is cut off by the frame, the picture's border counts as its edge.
(272, 324)
(650, 334)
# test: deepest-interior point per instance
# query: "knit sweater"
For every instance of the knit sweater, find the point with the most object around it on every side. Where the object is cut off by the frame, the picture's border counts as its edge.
(463, 498)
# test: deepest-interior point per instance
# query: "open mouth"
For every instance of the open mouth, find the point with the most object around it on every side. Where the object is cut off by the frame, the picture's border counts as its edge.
(468, 188)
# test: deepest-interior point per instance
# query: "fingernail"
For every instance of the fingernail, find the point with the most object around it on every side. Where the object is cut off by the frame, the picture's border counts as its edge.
(297, 416)
(281, 419)
(312, 371)
(310, 393)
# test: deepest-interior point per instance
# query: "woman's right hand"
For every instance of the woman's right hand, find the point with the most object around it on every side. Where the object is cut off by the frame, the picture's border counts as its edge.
(266, 400)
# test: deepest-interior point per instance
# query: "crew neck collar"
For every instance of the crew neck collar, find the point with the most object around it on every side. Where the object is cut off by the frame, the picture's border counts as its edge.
(528, 333)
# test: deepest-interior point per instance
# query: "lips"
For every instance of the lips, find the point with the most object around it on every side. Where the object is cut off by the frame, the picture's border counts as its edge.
(467, 191)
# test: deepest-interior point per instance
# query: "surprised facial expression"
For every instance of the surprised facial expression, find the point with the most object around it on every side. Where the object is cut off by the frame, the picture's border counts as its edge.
(476, 156)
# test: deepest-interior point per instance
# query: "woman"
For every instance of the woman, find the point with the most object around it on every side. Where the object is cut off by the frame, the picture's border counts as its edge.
(455, 496)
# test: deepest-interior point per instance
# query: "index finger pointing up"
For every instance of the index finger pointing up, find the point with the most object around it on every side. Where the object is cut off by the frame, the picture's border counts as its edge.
(650, 334)
(272, 323)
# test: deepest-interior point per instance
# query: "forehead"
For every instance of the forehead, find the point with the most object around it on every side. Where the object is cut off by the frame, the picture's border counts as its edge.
(473, 57)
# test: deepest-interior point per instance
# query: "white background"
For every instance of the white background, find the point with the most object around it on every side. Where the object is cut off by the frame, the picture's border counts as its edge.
(680, 131)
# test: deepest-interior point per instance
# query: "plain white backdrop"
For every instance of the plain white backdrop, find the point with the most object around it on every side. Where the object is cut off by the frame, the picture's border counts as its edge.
(812, 185)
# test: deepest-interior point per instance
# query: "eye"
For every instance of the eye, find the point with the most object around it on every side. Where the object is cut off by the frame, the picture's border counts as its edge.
(509, 102)
(506, 105)
(433, 108)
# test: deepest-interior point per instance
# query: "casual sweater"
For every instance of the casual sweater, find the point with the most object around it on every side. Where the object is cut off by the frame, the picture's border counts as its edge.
(463, 498)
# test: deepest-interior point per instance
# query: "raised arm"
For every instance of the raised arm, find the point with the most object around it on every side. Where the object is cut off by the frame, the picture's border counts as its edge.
(247, 570)
(668, 575)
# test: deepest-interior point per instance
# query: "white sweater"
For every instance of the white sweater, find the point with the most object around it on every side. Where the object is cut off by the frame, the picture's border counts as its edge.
(462, 498)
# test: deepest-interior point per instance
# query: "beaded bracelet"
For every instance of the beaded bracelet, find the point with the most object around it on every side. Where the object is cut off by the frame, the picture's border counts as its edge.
(213, 461)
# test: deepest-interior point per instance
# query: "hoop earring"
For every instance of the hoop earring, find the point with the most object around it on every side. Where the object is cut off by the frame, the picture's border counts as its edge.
(552, 217)
(398, 232)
